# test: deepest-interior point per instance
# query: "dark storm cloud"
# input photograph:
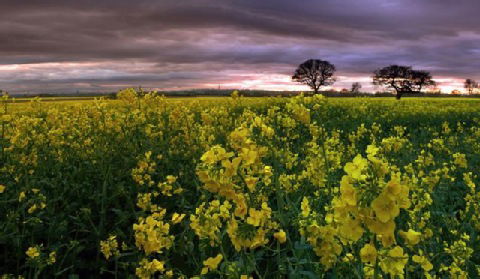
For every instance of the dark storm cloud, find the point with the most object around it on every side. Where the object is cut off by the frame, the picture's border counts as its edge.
(194, 42)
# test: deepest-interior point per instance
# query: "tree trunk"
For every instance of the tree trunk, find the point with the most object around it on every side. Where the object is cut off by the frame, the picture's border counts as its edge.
(399, 95)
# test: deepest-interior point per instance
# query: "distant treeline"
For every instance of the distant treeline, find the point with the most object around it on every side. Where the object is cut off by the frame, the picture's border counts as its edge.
(246, 93)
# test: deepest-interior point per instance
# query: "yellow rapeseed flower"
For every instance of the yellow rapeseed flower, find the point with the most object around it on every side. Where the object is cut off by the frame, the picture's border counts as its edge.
(349, 195)
(152, 234)
(354, 169)
(33, 252)
(411, 237)
(368, 254)
(109, 247)
(21, 196)
(255, 217)
(158, 265)
(395, 261)
(147, 269)
(385, 208)
(372, 150)
(251, 183)
(241, 206)
(281, 236)
(231, 167)
(177, 218)
(211, 263)
(392, 189)
(171, 179)
(424, 262)
(460, 160)
(32, 209)
(52, 257)
(352, 229)
(305, 207)
(249, 156)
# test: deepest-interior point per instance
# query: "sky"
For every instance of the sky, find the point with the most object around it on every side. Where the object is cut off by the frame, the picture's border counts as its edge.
(102, 46)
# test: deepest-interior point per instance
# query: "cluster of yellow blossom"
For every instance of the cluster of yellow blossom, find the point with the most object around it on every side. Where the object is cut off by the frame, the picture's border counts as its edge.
(33, 199)
(236, 177)
(148, 269)
(34, 253)
(152, 233)
(320, 234)
(109, 247)
(211, 264)
(208, 220)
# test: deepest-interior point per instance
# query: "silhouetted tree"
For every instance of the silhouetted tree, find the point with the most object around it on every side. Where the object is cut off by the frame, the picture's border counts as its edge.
(470, 85)
(402, 79)
(356, 86)
(315, 73)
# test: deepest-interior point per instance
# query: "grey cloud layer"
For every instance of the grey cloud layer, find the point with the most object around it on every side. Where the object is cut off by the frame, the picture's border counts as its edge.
(193, 41)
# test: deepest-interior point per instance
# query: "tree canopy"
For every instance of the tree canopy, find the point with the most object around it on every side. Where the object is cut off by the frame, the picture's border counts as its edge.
(470, 85)
(356, 86)
(315, 73)
(403, 79)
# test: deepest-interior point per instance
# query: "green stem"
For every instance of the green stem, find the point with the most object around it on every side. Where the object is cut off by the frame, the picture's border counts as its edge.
(2, 139)
(116, 267)
(375, 272)
(327, 167)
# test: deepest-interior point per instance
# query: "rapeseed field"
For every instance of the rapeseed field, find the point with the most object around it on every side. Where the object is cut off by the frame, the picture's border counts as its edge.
(303, 187)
